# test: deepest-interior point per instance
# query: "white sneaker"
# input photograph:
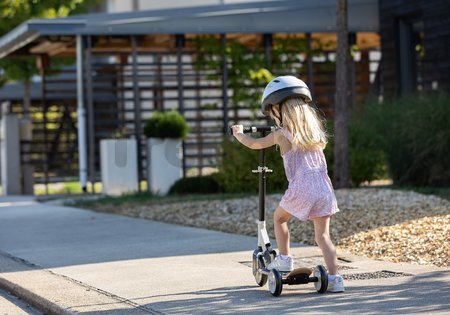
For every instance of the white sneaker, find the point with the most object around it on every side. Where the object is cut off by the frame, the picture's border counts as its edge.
(336, 285)
(285, 265)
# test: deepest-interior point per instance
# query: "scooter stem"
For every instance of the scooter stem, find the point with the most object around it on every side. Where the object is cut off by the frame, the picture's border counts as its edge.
(262, 183)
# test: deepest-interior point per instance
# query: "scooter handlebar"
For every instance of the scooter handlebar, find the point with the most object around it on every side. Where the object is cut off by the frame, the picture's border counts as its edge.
(254, 129)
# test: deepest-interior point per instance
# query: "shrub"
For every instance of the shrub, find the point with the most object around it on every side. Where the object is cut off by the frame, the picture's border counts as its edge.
(367, 160)
(236, 165)
(195, 185)
(168, 124)
(415, 133)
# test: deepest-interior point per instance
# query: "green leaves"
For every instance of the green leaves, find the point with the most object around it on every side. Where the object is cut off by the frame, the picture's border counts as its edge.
(236, 165)
(248, 66)
(414, 133)
(367, 160)
(166, 125)
(15, 12)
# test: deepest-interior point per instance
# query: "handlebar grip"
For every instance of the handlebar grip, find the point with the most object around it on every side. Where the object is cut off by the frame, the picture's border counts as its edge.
(248, 129)
(254, 129)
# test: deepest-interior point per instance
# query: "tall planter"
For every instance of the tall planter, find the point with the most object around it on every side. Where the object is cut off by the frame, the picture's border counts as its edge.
(119, 166)
(165, 132)
(164, 158)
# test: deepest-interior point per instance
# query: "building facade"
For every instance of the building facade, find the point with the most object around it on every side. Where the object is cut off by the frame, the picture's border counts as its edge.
(133, 63)
(415, 45)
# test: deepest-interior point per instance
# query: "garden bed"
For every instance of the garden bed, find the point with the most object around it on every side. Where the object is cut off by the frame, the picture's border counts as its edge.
(398, 226)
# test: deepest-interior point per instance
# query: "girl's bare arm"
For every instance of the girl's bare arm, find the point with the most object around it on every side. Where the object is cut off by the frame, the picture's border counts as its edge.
(254, 143)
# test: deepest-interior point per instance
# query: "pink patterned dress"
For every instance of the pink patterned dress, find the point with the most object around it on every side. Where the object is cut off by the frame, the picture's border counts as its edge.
(310, 193)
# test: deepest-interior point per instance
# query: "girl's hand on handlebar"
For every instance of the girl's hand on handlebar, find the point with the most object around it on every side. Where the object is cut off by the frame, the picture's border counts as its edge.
(237, 129)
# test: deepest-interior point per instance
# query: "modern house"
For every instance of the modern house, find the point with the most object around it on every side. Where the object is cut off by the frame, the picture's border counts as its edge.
(144, 58)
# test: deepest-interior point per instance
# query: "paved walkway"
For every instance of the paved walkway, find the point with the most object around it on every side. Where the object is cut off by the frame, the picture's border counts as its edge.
(67, 260)
(12, 305)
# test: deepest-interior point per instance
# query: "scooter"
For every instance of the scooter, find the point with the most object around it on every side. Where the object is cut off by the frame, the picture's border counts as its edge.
(264, 253)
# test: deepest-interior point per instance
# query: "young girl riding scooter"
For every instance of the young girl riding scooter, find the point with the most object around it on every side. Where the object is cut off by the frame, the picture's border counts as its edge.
(310, 195)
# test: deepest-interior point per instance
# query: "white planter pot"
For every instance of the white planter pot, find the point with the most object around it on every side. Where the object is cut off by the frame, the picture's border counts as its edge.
(164, 168)
(119, 166)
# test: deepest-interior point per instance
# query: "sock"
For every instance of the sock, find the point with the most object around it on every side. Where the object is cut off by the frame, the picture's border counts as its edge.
(285, 257)
(332, 277)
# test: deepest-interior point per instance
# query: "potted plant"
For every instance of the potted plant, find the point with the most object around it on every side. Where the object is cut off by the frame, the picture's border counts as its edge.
(165, 132)
(118, 158)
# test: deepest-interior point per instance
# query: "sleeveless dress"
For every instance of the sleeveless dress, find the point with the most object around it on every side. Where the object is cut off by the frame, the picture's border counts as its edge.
(310, 193)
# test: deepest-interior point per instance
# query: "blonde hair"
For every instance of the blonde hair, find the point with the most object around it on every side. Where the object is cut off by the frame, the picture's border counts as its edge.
(302, 120)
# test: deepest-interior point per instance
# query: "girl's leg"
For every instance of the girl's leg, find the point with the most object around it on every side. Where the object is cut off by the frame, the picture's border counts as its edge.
(322, 238)
(280, 219)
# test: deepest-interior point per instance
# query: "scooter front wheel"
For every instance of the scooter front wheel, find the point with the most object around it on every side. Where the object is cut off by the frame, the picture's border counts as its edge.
(275, 282)
(258, 263)
(322, 284)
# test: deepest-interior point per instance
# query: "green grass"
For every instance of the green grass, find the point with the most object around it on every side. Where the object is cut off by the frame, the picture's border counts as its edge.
(73, 187)
(146, 197)
(63, 188)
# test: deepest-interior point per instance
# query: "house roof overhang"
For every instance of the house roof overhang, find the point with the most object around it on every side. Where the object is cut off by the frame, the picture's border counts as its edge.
(283, 16)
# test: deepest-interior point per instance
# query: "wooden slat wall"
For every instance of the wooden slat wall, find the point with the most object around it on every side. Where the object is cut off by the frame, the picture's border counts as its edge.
(436, 64)
(158, 89)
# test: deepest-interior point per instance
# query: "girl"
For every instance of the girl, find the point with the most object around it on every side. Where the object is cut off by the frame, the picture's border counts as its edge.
(310, 195)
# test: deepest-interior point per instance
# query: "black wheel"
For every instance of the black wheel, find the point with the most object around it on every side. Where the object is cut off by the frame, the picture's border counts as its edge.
(275, 282)
(322, 284)
(258, 263)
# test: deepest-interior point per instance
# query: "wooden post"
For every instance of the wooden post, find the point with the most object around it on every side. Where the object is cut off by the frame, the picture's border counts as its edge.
(309, 62)
(179, 42)
(42, 71)
(267, 42)
(223, 43)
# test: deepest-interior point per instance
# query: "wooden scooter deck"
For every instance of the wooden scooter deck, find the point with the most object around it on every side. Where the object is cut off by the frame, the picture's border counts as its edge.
(298, 276)
(300, 271)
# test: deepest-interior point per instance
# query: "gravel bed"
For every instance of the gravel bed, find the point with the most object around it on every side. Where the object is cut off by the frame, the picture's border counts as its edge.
(398, 226)
(375, 275)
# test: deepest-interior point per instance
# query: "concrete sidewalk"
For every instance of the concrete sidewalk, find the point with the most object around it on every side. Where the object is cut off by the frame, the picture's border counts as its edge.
(66, 260)
(10, 305)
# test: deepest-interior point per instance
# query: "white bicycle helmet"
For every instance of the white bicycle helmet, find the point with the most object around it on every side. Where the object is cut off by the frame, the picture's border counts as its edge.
(282, 88)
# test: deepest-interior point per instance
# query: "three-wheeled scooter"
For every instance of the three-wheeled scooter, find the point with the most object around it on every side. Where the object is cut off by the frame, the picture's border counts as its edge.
(264, 253)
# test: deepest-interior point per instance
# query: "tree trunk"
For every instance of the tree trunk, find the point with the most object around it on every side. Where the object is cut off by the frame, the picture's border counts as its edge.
(340, 170)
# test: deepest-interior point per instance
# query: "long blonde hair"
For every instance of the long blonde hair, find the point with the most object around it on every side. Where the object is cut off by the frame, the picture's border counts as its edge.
(303, 122)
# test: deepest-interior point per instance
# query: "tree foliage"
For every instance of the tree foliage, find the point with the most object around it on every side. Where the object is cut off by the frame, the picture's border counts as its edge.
(248, 68)
(15, 12)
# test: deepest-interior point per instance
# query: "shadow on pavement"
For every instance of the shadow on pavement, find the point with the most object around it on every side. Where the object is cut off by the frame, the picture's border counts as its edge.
(420, 294)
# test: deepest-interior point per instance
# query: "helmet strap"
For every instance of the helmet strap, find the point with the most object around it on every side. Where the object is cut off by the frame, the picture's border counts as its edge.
(281, 115)
(280, 118)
